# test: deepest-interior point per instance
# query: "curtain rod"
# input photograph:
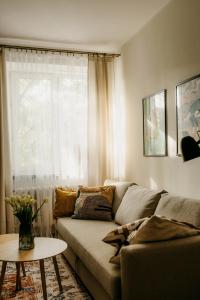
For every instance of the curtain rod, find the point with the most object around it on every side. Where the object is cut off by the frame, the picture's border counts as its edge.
(58, 50)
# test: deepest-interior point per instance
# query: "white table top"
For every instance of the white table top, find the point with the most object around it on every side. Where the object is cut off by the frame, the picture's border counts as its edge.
(44, 247)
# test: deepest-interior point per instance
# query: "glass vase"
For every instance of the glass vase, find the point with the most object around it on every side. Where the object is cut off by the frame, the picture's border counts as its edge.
(26, 238)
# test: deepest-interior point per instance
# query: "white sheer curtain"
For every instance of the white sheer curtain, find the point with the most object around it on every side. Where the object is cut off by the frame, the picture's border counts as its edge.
(47, 97)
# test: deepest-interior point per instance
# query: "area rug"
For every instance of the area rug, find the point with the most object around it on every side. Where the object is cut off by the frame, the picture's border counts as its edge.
(32, 287)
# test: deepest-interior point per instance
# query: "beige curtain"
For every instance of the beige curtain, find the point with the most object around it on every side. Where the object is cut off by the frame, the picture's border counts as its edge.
(105, 120)
(6, 216)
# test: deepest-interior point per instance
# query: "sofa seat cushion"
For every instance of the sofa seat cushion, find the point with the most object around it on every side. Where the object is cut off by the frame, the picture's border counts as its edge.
(180, 209)
(85, 238)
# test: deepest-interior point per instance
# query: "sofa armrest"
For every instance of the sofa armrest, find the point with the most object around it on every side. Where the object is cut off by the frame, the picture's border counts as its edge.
(168, 270)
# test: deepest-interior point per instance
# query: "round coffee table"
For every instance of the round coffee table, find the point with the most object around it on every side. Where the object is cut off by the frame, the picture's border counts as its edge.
(44, 248)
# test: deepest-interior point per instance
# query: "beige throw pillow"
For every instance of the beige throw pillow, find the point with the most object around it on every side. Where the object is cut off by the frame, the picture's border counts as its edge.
(151, 229)
(158, 228)
(138, 202)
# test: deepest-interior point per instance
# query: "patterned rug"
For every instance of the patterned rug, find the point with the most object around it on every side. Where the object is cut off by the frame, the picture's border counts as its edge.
(32, 287)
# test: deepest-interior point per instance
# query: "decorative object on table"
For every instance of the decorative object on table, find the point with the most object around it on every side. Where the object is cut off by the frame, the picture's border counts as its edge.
(94, 203)
(32, 285)
(154, 124)
(188, 109)
(23, 209)
(190, 148)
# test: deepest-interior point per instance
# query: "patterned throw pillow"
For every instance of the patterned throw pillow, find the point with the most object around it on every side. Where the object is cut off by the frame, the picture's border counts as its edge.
(118, 238)
(65, 202)
(94, 203)
(150, 229)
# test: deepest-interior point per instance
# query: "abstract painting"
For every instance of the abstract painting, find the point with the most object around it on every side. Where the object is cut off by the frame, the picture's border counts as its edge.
(188, 109)
(154, 125)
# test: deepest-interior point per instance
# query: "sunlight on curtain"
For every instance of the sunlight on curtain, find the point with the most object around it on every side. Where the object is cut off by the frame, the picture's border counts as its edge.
(106, 119)
(6, 215)
(117, 148)
(47, 97)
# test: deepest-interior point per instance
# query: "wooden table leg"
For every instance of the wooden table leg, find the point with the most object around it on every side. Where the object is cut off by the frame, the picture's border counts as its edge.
(18, 278)
(23, 269)
(57, 273)
(42, 271)
(3, 270)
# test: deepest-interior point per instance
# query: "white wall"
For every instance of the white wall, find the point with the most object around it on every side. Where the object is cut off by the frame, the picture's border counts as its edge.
(165, 52)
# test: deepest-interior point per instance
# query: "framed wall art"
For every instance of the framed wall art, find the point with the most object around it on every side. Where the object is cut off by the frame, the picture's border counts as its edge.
(188, 109)
(154, 124)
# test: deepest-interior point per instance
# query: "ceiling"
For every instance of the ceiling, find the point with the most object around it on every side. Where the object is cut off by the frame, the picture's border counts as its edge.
(99, 25)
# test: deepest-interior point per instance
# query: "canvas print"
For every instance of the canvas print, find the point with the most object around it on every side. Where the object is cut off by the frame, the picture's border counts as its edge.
(154, 125)
(188, 109)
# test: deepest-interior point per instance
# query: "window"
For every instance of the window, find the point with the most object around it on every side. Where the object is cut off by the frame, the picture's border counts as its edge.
(48, 108)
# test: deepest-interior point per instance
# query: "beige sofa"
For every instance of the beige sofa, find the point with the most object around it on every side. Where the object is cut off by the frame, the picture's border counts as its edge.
(160, 270)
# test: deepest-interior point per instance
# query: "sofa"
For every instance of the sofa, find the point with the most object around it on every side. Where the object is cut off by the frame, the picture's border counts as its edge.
(164, 270)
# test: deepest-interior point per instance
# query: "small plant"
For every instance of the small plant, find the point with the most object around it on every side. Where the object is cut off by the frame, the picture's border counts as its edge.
(22, 207)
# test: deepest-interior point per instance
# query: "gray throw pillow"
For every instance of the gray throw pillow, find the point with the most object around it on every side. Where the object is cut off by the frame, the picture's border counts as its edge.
(120, 189)
(138, 202)
(179, 208)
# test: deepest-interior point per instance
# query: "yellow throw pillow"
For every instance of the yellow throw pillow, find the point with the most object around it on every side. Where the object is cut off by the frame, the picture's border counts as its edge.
(65, 202)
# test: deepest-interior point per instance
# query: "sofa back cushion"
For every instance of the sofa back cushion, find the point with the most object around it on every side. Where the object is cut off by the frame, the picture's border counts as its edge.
(120, 190)
(180, 209)
(138, 202)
